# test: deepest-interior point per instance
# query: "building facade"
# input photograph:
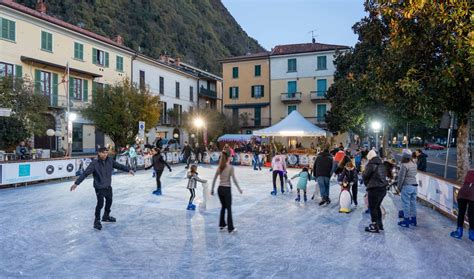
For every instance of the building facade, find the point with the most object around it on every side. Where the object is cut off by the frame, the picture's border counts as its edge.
(40, 48)
(247, 91)
(177, 90)
(300, 77)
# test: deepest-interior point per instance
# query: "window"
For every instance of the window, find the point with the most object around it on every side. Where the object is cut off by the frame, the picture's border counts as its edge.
(119, 63)
(292, 65)
(7, 28)
(258, 70)
(257, 91)
(191, 93)
(100, 57)
(77, 88)
(46, 41)
(321, 87)
(291, 89)
(233, 92)
(45, 83)
(291, 109)
(322, 63)
(78, 51)
(258, 116)
(321, 113)
(6, 70)
(142, 79)
(162, 86)
(235, 72)
(164, 119)
(177, 90)
(179, 110)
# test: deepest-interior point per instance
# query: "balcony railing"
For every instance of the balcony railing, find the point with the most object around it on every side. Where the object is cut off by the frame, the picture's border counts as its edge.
(60, 102)
(294, 97)
(252, 122)
(318, 95)
(317, 120)
(207, 93)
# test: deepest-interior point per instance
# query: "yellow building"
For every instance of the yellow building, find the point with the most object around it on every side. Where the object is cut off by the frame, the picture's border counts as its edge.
(300, 77)
(39, 47)
(246, 93)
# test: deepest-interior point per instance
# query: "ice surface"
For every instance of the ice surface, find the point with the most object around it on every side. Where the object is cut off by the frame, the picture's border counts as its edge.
(46, 231)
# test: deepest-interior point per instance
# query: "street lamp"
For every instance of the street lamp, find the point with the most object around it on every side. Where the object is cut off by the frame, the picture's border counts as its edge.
(50, 133)
(376, 126)
(71, 116)
(199, 123)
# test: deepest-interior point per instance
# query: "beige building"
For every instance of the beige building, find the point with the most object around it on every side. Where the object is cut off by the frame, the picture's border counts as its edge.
(246, 93)
(39, 47)
(300, 77)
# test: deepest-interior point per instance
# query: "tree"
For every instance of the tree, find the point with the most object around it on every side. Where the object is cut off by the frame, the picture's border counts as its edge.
(28, 109)
(216, 123)
(117, 109)
(412, 62)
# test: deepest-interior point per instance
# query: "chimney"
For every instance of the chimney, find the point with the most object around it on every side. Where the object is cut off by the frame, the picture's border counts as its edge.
(177, 61)
(41, 6)
(119, 40)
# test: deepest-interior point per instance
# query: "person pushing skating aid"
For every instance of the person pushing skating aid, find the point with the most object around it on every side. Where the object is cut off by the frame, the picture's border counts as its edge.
(101, 168)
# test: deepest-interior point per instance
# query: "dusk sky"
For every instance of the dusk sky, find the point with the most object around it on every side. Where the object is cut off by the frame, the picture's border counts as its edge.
(274, 22)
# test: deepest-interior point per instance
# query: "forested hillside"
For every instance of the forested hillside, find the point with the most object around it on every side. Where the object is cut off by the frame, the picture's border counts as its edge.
(198, 31)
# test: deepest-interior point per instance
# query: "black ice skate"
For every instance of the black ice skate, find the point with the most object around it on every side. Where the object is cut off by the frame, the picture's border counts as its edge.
(97, 225)
(109, 219)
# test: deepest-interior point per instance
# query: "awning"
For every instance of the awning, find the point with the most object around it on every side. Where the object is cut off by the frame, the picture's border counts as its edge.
(294, 125)
(72, 70)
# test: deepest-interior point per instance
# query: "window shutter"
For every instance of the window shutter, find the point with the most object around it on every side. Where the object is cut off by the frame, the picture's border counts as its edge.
(43, 40)
(253, 91)
(71, 88)
(50, 41)
(94, 90)
(37, 81)
(262, 91)
(230, 92)
(12, 30)
(54, 100)
(85, 94)
(237, 91)
(106, 59)
(94, 56)
(4, 28)
(18, 71)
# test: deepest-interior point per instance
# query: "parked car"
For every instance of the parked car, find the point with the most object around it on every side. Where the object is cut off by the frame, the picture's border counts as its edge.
(433, 146)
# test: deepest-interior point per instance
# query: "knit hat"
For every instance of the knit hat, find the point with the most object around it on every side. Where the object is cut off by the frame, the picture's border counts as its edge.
(406, 155)
(372, 154)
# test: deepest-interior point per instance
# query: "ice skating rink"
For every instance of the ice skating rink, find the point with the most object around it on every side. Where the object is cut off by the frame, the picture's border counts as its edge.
(46, 231)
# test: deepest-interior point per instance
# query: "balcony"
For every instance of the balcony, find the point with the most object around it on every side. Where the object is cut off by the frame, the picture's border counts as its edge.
(207, 93)
(254, 123)
(291, 98)
(61, 102)
(318, 96)
(320, 121)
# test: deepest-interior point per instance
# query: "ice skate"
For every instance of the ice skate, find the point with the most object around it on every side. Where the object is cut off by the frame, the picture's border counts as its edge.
(297, 198)
(413, 221)
(305, 198)
(273, 193)
(404, 223)
(223, 229)
(457, 233)
(191, 207)
(372, 228)
(109, 219)
(233, 231)
(471, 234)
(97, 225)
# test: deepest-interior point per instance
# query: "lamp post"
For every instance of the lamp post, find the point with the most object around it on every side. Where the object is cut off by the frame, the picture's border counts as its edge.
(57, 134)
(198, 123)
(376, 126)
(71, 116)
(50, 133)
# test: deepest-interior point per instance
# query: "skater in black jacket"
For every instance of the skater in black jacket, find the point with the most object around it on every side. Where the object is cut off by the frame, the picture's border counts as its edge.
(102, 168)
(187, 150)
(158, 164)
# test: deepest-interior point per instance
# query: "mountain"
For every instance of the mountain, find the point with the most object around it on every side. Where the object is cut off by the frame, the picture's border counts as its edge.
(198, 31)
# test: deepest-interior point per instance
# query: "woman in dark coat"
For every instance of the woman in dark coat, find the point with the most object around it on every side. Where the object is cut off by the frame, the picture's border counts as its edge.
(158, 164)
(465, 201)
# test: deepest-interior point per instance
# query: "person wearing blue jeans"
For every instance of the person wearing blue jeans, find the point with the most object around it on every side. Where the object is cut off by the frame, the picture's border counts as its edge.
(322, 170)
(408, 187)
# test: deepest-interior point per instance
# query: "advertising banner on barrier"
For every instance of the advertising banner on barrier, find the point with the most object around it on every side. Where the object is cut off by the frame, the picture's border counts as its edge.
(40, 170)
(436, 191)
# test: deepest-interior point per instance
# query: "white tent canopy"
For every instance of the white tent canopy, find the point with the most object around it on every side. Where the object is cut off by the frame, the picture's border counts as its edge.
(294, 125)
(236, 137)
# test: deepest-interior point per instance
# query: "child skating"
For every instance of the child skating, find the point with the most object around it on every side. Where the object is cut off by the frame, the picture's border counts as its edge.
(304, 177)
(193, 179)
(158, 164)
